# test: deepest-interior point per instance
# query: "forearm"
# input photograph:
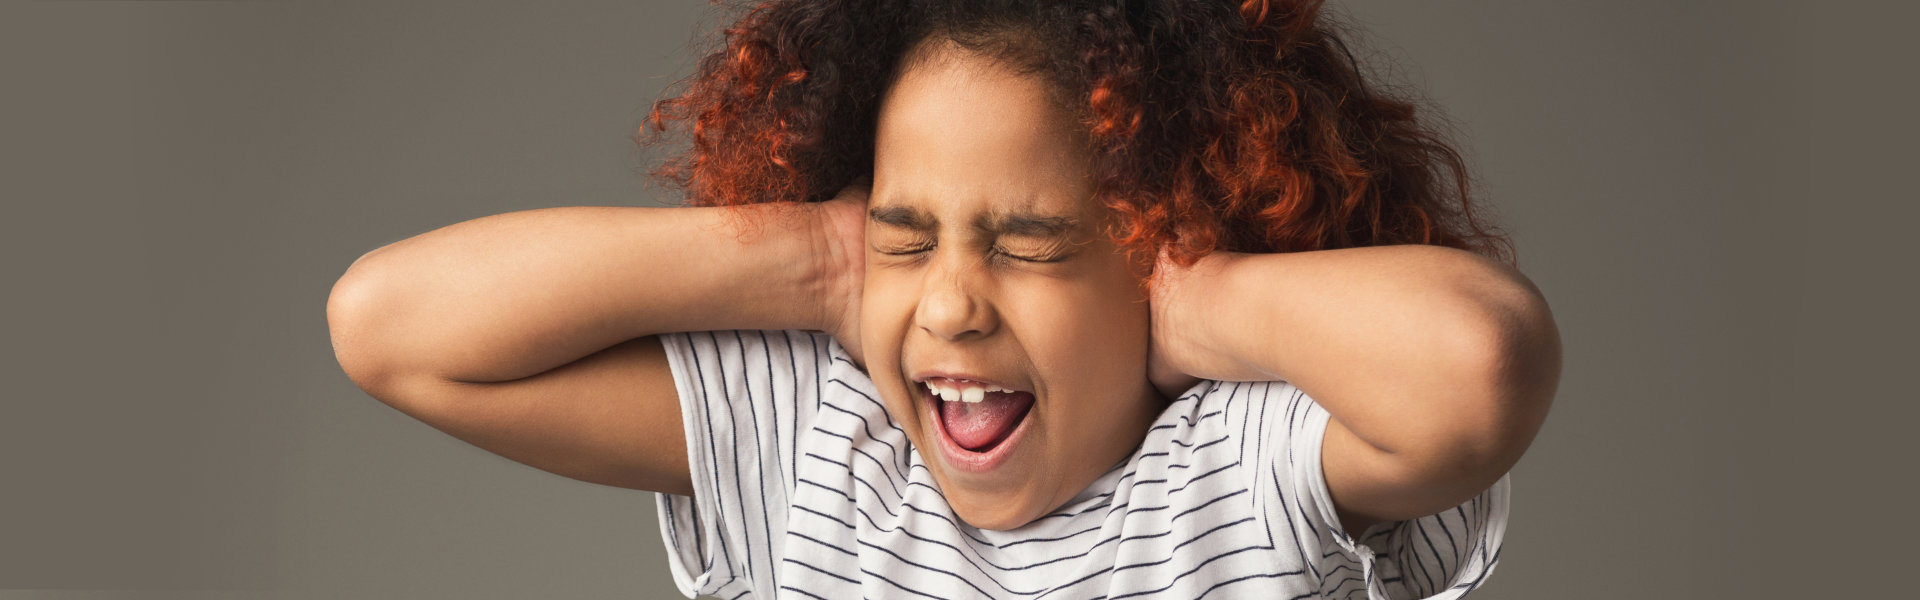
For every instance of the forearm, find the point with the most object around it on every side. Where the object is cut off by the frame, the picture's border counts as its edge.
(1412, 348)
(516, 294)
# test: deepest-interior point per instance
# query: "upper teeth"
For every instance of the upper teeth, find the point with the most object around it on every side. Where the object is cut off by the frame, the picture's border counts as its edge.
(957, 394)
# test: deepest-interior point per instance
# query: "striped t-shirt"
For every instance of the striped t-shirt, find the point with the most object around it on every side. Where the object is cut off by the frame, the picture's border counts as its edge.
(803, 488)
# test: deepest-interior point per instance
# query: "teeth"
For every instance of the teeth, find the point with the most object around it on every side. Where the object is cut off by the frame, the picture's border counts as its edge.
(956, 394)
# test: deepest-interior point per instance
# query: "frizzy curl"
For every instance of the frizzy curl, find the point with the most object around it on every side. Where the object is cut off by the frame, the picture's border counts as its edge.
(1215, 125)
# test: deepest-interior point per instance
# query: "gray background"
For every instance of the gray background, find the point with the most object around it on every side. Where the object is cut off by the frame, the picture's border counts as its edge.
(1714, 197)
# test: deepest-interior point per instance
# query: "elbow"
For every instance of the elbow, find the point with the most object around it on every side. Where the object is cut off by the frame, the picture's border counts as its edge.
(352, 309)
(1488, 394)
(1507, 370)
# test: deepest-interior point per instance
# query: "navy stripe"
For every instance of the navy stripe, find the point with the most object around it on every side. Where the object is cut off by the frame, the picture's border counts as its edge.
(824, 515)
(1204, 446)
(1422, 561)
(1260, 444)
(823, 542)
(1409, 565)
(867, 427)
(877, 462)
(963, 555)
(1207, 504)
(759, 460)
(862, 480)
(733, 430)
(883, 410)
(1244, 421)
(1205, 475)
(1261, 458)
(774, 400)
(1296, 424)
(1337, 568)
(840, 493)
(1195, 569)
(813, 348)
(902, 587)
(1177, 547)
(720, 515)
(1343, 581)
(952, 574)
(1096, 506)
(821, 571)
(1216, 586)
(1051, 539)
(1452, 544)
(1076, 581)
(801, 592)
(1298, 544)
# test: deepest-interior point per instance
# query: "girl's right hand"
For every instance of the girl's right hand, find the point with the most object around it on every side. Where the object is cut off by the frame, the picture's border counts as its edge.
(843, 223)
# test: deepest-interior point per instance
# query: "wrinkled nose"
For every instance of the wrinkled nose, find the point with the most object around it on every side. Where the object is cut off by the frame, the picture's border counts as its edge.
(951, 309)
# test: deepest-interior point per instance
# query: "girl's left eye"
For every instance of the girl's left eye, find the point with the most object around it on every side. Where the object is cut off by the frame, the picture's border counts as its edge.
(1028, 258)
(995, 252)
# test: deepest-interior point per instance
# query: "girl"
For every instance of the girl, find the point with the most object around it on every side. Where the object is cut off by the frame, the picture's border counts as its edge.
(1001, 299)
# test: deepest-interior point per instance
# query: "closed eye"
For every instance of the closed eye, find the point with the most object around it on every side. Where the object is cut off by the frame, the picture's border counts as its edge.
(1031, 259)
(995, 252)
(902, 251)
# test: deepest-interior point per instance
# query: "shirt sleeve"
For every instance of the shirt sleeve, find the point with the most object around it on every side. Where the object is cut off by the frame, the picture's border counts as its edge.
(1442, 556)
(744, 395)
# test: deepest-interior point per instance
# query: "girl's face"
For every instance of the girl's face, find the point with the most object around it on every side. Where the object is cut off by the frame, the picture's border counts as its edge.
(987, 269)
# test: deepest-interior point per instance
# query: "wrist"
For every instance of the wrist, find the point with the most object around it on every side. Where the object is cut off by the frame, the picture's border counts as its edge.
(830, 279)
(840, 255)
(1197, 308)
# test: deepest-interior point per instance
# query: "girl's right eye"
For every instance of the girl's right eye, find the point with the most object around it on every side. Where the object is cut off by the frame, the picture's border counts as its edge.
(902, 251)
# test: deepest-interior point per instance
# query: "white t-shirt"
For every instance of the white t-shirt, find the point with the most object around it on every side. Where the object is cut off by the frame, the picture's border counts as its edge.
(803, 488)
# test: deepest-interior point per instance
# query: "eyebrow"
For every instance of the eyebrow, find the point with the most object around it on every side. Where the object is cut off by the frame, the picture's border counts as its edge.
(1003, 223)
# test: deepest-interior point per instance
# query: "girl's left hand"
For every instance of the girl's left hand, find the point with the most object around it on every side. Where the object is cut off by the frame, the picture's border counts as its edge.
(842, 224)
(1187, 343)
(1171, 348)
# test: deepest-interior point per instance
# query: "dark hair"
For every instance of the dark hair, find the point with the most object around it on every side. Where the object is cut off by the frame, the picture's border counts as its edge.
(1215, 125)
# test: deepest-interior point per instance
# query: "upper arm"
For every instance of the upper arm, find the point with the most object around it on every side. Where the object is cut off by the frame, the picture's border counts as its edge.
(611, 417)
(1368, 485)
(1509, 371)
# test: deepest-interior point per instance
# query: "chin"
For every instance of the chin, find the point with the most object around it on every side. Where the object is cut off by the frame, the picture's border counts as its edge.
(988, 513)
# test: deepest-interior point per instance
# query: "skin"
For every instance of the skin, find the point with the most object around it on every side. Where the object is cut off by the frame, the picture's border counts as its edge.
(963, 142)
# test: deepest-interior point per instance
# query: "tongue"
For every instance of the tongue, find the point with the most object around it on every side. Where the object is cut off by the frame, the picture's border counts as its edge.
(978, 425)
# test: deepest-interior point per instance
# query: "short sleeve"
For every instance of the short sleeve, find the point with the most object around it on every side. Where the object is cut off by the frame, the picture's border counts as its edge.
(1442, 556)
(743, 397)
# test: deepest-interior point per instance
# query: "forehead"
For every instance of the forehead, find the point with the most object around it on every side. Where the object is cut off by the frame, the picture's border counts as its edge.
(961, 131)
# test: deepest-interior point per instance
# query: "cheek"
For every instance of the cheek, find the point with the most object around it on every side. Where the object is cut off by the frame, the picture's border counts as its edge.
(1084, 336)
(886, 310)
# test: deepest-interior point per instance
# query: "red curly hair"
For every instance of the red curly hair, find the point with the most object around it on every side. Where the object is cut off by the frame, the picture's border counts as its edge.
(1238, 126)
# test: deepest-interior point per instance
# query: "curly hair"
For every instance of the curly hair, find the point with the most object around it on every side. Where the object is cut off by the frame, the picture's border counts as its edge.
(1215, 125)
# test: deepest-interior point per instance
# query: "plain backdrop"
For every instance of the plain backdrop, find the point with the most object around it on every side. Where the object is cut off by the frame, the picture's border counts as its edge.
(1715, 198)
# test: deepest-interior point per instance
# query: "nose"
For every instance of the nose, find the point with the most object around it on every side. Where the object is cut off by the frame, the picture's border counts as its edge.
(951, 307)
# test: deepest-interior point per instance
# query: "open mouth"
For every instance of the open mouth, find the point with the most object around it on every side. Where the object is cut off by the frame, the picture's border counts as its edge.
(977, 421)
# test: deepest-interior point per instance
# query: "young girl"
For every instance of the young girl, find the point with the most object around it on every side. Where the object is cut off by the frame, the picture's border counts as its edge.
(999, 299)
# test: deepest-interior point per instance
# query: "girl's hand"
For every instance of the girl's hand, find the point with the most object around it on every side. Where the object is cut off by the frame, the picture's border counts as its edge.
(1171, 347)
(843, 225)
(1181, 351)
